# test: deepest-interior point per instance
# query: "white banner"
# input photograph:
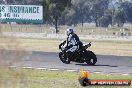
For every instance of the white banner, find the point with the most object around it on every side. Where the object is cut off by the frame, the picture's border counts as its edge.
(20, 13)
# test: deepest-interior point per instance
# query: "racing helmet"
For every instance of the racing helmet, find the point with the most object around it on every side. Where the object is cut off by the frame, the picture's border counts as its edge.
(70, 31)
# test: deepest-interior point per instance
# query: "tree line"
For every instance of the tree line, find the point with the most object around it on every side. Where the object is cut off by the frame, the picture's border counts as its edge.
(101, 12)
(72, 12)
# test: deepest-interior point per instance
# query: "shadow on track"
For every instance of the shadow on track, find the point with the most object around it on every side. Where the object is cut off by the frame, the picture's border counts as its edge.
(96, 65)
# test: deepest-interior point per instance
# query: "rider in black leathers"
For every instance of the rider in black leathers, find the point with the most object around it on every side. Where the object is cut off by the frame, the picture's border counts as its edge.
(73, 42)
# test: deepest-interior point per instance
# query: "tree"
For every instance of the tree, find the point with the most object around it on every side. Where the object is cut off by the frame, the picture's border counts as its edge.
(46, 4)
(82, 10)
(104, 21)
(69, 17)
(98, 8)
(120, 18)
(55, 9)
(126, 8)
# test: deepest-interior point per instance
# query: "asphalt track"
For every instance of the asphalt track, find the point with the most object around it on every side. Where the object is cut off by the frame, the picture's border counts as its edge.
(50, 60)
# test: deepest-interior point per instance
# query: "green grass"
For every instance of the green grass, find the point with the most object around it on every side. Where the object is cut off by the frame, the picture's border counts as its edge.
(31, 78)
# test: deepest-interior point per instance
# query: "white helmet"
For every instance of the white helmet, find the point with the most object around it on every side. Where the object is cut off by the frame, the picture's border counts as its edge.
(70, 31)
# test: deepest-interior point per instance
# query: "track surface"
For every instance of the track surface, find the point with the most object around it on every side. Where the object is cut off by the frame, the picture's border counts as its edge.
(105, 64)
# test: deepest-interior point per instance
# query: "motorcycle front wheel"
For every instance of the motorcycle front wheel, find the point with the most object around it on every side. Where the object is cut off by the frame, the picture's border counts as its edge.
(64, 58)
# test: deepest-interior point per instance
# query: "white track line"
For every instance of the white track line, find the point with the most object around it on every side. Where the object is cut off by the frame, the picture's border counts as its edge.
(53, 69)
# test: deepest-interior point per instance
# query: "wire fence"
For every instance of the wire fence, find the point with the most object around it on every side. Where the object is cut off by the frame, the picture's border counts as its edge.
(85, 30)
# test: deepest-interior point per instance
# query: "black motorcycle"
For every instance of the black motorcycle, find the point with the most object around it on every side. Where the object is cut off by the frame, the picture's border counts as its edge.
(80, 56)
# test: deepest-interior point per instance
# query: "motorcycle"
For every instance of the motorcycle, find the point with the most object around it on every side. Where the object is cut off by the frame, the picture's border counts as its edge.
(80, 56)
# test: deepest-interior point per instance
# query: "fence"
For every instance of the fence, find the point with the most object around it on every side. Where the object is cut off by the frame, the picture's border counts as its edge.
(48, 29)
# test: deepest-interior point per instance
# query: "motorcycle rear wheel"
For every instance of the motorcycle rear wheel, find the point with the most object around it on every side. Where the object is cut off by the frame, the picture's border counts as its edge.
(90, 58)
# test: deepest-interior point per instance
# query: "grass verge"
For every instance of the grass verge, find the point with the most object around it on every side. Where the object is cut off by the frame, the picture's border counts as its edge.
(32, 78)
(119, 48)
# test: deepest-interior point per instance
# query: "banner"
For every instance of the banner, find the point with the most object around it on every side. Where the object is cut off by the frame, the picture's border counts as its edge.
(21, 13)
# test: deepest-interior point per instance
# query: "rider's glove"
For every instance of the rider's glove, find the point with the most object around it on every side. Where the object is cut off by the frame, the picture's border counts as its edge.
(64, 48)
(89, 44)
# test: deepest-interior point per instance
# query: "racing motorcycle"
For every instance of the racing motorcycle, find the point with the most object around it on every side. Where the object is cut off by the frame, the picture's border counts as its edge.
(80, 56)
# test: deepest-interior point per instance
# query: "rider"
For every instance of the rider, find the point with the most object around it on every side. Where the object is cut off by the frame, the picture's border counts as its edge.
(73, 42)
